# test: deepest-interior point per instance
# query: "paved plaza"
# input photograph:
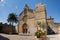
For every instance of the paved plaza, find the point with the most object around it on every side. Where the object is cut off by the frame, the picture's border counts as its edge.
(26, 37)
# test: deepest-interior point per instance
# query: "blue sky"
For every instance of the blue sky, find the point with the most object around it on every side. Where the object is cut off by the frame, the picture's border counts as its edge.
(16, 6)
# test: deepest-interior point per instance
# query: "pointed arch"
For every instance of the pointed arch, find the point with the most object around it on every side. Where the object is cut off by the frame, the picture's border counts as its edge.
(24, 28)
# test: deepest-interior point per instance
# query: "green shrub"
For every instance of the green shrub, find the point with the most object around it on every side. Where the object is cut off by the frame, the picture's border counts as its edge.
(39, 33)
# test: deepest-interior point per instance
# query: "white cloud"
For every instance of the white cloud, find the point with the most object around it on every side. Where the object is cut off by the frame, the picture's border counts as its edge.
(1, 0)
(3, 3)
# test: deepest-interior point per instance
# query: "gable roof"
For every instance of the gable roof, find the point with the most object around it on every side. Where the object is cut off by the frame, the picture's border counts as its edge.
(29, 9)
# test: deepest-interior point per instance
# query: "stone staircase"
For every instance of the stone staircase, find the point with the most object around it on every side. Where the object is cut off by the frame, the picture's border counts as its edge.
(53, 28)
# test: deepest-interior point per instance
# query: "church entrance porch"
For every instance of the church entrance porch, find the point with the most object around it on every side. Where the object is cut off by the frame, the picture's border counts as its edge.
(25, 28)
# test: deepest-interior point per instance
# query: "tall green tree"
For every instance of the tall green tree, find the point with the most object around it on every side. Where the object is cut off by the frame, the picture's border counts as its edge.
(12, 18)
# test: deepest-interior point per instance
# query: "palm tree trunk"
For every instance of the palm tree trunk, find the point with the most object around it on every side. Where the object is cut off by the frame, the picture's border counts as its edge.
(40, 27)
(12, 26)
(43, 29)
(37, 28)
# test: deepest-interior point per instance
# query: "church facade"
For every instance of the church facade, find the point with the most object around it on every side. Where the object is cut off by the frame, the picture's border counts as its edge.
(31, 20)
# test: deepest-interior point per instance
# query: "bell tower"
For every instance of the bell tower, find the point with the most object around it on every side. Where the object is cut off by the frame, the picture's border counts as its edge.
(40, 11)
(40, 14)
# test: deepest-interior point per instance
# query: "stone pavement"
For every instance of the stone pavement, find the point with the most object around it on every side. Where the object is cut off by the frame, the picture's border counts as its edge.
(16, 37)
(26, 37)
(53, 37)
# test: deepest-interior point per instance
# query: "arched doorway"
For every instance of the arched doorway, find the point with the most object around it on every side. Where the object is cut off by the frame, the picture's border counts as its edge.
(24, 28)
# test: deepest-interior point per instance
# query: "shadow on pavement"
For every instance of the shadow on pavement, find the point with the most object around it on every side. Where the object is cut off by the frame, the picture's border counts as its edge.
(3, 38)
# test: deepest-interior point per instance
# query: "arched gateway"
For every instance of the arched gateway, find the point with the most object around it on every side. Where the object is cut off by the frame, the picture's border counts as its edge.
(25, 28)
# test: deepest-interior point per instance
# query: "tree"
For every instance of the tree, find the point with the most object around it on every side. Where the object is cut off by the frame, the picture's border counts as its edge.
(12, 18)
(39, 24)
(43, 25)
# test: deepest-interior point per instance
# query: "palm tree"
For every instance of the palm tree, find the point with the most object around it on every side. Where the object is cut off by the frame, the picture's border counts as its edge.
(39, 24)
(12, 18)
(43, 25)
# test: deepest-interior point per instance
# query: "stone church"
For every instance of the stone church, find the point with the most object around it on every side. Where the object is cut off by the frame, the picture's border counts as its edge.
(30, 18)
